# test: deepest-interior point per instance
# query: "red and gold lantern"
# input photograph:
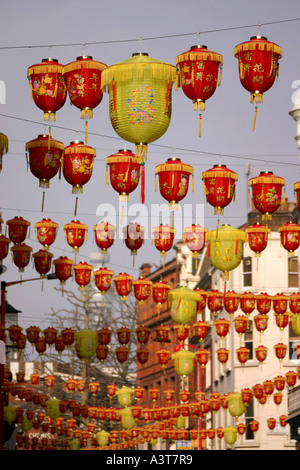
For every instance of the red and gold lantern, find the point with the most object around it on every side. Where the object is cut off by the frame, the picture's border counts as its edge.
(101, 352)
(201, 329)
(14, 333)
(4, 247)
(241, 323)
(231, 302)
(194, 238)
(215, 301)
(271, 423)
(59, 344)
(40, 345)
(33, 333)
(280, 351)
(123, 284)
(182, 332)
(202, 356)
(160, 292)
(46, 232)
(219, 187)
(123, 335)
(104, 234)
(104, 336)
(122, 353)
(50, 335)
(142, 334)
(267, 193)
(42, 262)
(258, 391)
(222, 327)
(280, 303)
(291, 378)
(21, 255)
(242, 354)
(257, 238)
(277, 398)
(258, 63)
(63, 269)
(47, 86)
(261, 353)
(247, 302)
(83, 274)
(68, 336)
(75, 233)
(124, 171)
(134, 238)
(199, 71)
(163, 238)
(142, 289)
(247, 395)
(17, 229)
(222, 355)
(142, 355)
(263, 303)
(173, 177)
(279, 382)
(261, 322)
(162, 334)
(268, 387)
(103, 279)
(254, 426)
(290, 237)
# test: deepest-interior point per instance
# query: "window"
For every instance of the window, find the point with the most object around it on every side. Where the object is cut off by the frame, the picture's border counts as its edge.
(247, 271)
(248, 339)
(293, 272)
(293, 341)
(249, 417)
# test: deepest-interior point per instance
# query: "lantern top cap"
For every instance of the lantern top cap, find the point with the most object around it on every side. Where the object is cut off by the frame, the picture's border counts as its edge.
(140, 53)
(258, 37)
(49, 59)
(198, 46)
(82, 57)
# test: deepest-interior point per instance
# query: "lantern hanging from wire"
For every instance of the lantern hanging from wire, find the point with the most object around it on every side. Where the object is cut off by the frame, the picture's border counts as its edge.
(280, 303)
(231, 302)
(103, 279)
(219, 187)
(203, 356)
(257, 238)
(140, 99)
(247, 302)
(267, 193)
(123, 284)
(184, 362)
(290, 237)
(163, 356)
(123, 335)
(142, 334)
(215, 300)
(261, 322)
(142, 289)
(3, 147)
(42, 262)
(125, 172)
(122, 353)
(77, 166)
(201, 329)
(75, 234)
(46, 232)
(263, 302)
(63, 267)
(241, 323)
(104, 235)
(134, 235)
(291, 378)
(226, 248)
(258, 63)
(198, 75)
(183, 304)
(222, 355)
(21, 254)
(163, 237)
(194, 238)
(17, 229)
(162, 334)
(83, 81)
(47, 86)
(4, 247)
(280, 351)
(261, 353)
(160, 292)
(222, 327)
(104, 336)
(82, 274)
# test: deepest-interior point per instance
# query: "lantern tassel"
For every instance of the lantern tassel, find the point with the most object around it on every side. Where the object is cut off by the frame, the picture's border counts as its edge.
(76, 204)
(177, 80)
(86, 132)
(200, 124)
(43, 201)
(114, 93)
(106, 175)
(143, 183)
(254, 121)
(220, 76)
(49, 138)
(155, 183)
(167, 94)
(193, 183)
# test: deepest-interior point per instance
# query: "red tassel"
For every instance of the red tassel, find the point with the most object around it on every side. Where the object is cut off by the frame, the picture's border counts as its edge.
(167, 97)
(236, 246)
(143, 182)
(208, 249)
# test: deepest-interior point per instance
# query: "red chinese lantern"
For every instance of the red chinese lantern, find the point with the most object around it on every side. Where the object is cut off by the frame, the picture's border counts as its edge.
(123, 284)
(42, 262)
(271, 423)
(21, 343)
(267, 193)
(173, 177)
(280, 351)
(219, 187)
(254, 425)
(202, 356)
(257, 238)
(4, 247)
(160, 293)
(241, 323)
(40, 345)
(59, 344)
(222, 355)
(182, 332)
(104, 336)
(279, 382)
(194, 238)
(241, 428)
(33, 333)
(215, 301)
(231, 301)
(139, 393)
(222, 327)
(34, 378)
(268, 387)
(75, 233)
(134, 238)
(50, 335)
(21, 255)
(205, 406)
(163, 238)
(122, 353)
(14, 333)
(242, 354)
(277, 397)
(68, 336)
(280, 303)
(17, 229)
(201, 329)
(47, 86)
(203, 299)
(261, 353)
(142, 289)
(63, 269)
(263, 302)
(101, 352)
(142, 334)
(247, 395)
(258, 67)
(123, 335)
(162, 334)
(104, 234)
(247, 302)
(124, 171)
(142, 355)
(258, 391)
(46, 232)
(294, 302)
(169, 395)
(83, 274)
(49, 381)
(103, 279)
(291, 378)
(199, 70)
(290, 237)
(261, 322)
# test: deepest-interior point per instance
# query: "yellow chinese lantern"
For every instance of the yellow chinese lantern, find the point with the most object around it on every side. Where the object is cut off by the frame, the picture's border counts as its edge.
(86, 343)
(230, 435)
(184, 362)
(183, 304)
(53, 408)
(124, 395)
(127, 420)
(225, 246)
(102, 438)
(236, 405)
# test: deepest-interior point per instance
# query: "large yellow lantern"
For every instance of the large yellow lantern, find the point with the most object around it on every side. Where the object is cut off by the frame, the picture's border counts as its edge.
(127, 419)
(225, 246)
(230, 435)
(86, 343)
(10, 413)
(236, 406)
(295, 323)
(102, 438)
(124, 395)
(184, 362)
(140, 99)
(183, 304)
(53, 408)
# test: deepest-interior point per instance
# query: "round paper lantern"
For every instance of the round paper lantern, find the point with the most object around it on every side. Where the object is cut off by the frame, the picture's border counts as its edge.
(267, 193)
(122, 353)
(162, 334)
(199, 70)
(21, 255)
(222, 355)
(75, 233)
(194, 237)
(17, 229)
(247, 395)
(201, 329)
(83, 82)
(50, 335)
(258, 63)
(261, 353)
(83, 274)
(77, 165)
(63, 269)
(294, 302)
(103, 279)
(86, 343)
(4, 247)
(258, 391)
(3, 147)
(134, 235)
(215, 300)
(268, 387)
(68, 336)
(142, 334)
(123, 335)
(222, 327)
(101, 352)
(242, 354)
(160, 292)
(47, 86)
(231, 301)
(123, 284)
(42, 262)
(163, 236)
(241, 323)
(184, 362)
(124, 172)
(33, 333)
(219, 187)
(290, 237)
(203, 356)
(261, 322)
(263, 303)
(46, 232)
(241, 428)
(280, 303)
(226, 248)
(104, 336)
(140, 99)
(142, 355)
(257, 238)
(104, 234)
(183, 304)
(236, 405)
(271, 423)
(142, 289)
(173, 177)
(247, 302)
(14, 332)
(280, 351)
(254, 426)
(291, 378)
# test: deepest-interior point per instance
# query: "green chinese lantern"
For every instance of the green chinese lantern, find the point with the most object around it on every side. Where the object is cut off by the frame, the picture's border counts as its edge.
(230, 435)
(127, 419)
(180, 422)
(124, 395)
(225, 248)
(86, 343)
(183, 304)
(10, 413)
(74, 444)
(26, 424)
(140, 99)
(102, 438)
(236, 406)
(53, 410)
(295, 323)
(184, 362)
